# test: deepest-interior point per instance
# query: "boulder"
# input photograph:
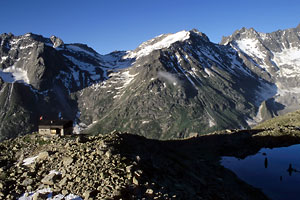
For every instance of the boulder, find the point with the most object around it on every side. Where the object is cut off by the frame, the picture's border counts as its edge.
(67, 161)
(63, 182)
(135, 181)
(56, 41)
(51, 179)
(43, 155)
(149, 191)
(27, 182)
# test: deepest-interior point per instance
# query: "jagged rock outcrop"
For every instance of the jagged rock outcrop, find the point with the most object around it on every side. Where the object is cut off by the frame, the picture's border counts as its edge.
(56, 41)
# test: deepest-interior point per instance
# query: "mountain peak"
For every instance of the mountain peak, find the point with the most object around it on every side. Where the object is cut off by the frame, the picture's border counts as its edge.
(159, 42)
(164, 41)
(198, 33)
(240, 34)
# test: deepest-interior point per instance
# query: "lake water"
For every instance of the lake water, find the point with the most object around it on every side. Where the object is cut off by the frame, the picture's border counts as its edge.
(276, 171)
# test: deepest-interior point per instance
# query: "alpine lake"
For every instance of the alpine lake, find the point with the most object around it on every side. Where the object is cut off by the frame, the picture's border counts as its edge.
(275, 171)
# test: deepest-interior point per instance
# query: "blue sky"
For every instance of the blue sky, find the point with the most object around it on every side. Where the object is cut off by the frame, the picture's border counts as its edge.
(108, 25)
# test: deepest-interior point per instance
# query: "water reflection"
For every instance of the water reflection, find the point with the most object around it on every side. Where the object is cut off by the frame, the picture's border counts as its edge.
(291, 169)
(266, 162)
(275, 171)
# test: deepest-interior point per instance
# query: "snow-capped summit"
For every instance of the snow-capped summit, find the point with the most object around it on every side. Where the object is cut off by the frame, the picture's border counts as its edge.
(159, 42)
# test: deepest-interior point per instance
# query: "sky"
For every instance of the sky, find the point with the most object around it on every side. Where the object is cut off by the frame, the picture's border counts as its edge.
(109, 25)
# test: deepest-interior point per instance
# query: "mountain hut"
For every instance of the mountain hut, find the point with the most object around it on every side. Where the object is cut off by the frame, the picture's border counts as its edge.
(55, 127)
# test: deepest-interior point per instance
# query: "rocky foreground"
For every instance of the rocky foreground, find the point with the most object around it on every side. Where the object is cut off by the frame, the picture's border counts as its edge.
(125, 166)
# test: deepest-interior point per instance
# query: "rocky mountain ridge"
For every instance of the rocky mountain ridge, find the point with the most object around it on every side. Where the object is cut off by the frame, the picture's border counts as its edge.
(39, 75)
(273, 57)
(175, 85)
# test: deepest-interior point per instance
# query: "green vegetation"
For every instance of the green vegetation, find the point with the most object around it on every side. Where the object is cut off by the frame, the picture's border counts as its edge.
(290, 119)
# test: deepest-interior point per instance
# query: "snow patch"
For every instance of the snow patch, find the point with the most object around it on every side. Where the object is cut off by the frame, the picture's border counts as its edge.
(257, 119)
(83, 65)
(29, 161)
(125, 78)
(78, 127)
(3, 58)
(78, 49)
(128, 77)
(211, 123)
(54, 172)
(48, 191)
(91, 69)
(116, 96)
(238, 65)
(208, 72)
(265, 92)
(207, 54)
(250, 47)
(183, 71)
(75, 76)
(263, 36)
(13, 74)
(28, 46)
(147, 47)
(15, 41)
(282, 91)
(288, 60)
(115, 63)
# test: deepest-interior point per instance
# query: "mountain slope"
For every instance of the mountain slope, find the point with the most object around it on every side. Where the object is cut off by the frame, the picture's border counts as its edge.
(275, 57)
(38, 75)
(174, 89)
(174, 85)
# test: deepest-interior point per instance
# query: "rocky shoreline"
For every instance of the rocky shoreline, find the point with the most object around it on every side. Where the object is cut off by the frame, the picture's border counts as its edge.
(125, 166)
